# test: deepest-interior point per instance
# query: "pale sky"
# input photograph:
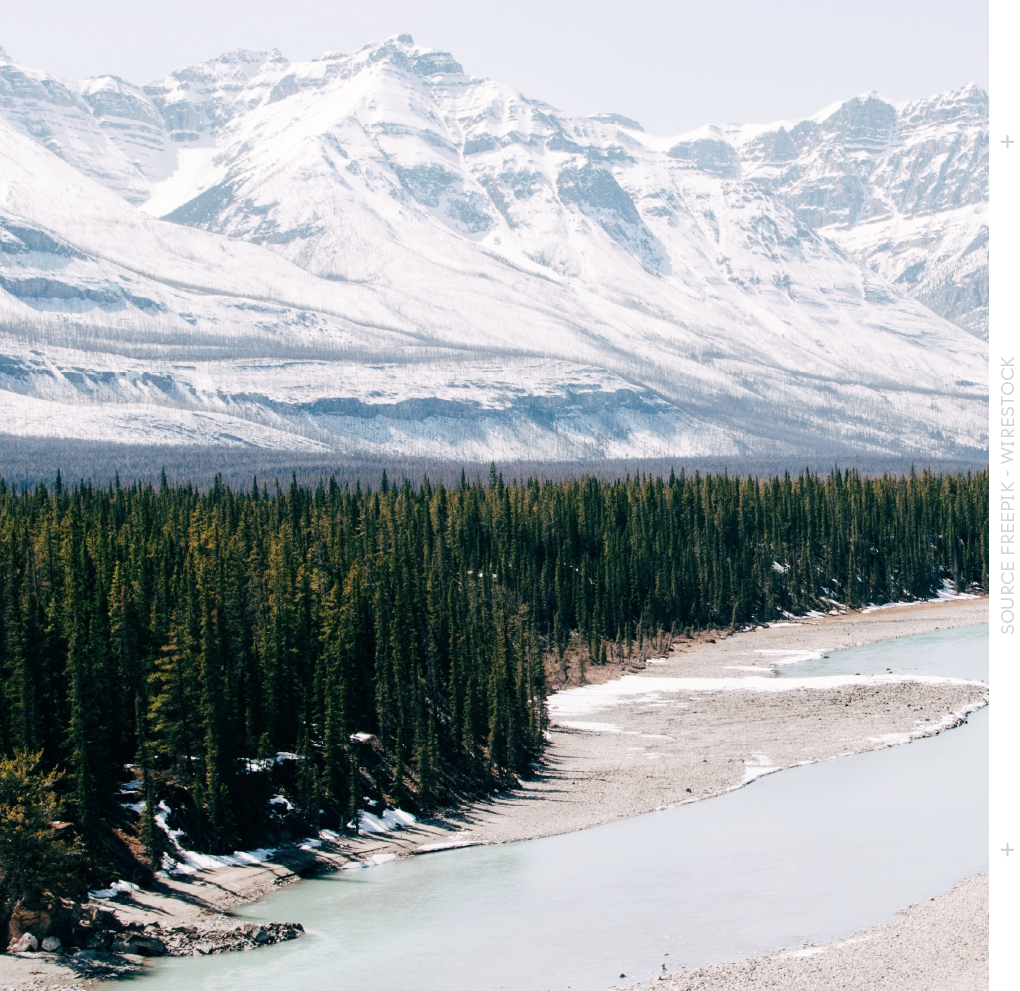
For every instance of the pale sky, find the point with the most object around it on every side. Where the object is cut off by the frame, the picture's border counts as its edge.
(671, 64)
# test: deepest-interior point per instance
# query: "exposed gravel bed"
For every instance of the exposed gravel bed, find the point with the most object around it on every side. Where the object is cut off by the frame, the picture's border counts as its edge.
(669, 748)
(938, 945)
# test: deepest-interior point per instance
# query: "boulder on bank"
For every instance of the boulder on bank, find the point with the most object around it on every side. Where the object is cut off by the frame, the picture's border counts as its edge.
(104, 945)
(59, 922)
(100, 919)
(25, 943)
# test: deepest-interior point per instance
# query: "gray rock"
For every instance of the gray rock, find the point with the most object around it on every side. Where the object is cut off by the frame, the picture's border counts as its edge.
(26, 943)
(52, 944)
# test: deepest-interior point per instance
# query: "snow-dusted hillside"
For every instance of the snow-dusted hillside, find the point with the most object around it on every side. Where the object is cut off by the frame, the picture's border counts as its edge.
(378, 253)
(901, 187)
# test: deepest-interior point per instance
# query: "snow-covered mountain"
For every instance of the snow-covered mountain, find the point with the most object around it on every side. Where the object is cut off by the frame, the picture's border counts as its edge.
(377, 253)
(901, 187)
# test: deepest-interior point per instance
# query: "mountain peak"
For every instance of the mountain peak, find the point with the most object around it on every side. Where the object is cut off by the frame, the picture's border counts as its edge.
(247, 56)
(871, 97)
(402, 51)
(394, 40)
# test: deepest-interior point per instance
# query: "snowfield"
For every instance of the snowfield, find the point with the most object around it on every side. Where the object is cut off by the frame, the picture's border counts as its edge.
(376, 253)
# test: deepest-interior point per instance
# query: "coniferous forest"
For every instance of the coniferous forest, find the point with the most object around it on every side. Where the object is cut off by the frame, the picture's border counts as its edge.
(197, 635)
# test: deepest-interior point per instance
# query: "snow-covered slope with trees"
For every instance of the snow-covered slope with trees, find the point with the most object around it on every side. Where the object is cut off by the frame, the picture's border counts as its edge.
(378, 253)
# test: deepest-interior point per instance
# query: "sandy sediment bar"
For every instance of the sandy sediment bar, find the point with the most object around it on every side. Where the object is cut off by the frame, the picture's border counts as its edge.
(666, 747)
(938, 944)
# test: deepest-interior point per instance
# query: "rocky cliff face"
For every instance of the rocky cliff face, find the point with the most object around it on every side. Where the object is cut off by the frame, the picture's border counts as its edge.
(377, 252)
(902, 188)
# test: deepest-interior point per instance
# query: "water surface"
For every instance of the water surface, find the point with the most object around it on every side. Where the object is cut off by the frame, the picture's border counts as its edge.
(809, 854)
(959, 653)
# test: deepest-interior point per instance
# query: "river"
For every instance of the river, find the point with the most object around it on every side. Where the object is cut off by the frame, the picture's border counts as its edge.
(808, 854)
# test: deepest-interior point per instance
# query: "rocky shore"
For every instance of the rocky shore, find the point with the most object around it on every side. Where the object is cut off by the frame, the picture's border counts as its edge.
(113, 939)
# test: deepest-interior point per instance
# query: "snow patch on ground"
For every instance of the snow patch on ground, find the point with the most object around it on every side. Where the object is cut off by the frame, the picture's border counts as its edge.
(784, 657)
(890, 739)
(117, 888)
(921, 729)
(945, 594)
(189, 862)
(390, 819)
(575, 702)
(447, 845)
(756, 766)
(181, 861)
(373, 861)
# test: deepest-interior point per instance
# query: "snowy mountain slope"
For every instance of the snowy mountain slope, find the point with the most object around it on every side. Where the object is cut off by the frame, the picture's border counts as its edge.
(902, 187)
(420, 262)
(54, 114)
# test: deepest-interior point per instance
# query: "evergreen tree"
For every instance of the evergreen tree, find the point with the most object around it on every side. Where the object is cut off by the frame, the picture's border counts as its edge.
(198, 634)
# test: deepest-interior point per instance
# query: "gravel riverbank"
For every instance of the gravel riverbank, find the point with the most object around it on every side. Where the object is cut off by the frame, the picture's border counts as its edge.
(649, 747)
(938, 944)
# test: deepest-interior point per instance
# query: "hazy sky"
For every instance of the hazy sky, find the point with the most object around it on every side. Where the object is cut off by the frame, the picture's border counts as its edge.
(671, 64)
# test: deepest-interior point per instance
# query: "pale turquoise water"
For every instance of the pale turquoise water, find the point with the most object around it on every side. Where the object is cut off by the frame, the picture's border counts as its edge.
(811, 853)
(960, 653)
